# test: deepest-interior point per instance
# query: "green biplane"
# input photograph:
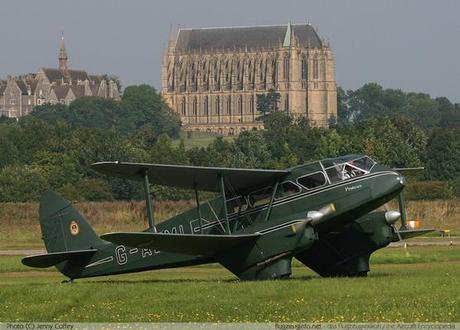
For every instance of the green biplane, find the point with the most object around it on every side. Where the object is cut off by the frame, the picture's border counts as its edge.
(323, 213)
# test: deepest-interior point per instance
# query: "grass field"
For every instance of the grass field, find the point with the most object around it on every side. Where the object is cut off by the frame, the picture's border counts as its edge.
(418, 284)
(198, 139)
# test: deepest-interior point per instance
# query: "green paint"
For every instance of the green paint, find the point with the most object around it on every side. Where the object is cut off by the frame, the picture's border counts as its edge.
(287, 36)
(269, 229)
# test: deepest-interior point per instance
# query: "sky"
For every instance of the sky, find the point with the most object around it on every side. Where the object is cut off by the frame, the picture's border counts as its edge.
(408, 44)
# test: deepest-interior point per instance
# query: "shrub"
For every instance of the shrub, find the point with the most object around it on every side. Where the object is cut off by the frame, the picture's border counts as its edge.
(428, 190)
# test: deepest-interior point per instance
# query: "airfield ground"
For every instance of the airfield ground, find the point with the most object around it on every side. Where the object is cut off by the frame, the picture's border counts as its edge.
(420, 283)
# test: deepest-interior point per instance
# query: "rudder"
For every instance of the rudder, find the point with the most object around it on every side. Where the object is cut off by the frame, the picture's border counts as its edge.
(63, 227)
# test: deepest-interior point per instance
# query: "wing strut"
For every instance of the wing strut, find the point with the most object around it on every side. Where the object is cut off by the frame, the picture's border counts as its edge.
(148, 201)
(224, 201)
(197, 198)
(402, 210)
(269, 208)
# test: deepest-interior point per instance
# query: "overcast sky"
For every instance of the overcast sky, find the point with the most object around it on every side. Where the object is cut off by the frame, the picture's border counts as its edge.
(409, 44)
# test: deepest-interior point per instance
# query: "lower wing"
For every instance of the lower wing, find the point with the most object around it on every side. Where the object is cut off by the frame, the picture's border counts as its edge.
(205, 245)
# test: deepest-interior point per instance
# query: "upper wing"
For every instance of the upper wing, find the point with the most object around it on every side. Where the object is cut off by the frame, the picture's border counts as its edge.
(205, 245)
(182, 176)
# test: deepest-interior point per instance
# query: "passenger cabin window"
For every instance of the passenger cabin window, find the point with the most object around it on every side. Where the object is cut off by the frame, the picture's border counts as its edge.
(237, 204)
(313, 180)
(260, 197)
(287, 188)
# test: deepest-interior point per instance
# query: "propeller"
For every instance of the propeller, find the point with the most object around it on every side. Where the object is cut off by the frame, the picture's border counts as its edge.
(318, 216)
(315, 217)
(392, 216)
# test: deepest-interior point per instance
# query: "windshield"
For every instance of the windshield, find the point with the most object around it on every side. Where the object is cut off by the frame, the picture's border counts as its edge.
(344, 168)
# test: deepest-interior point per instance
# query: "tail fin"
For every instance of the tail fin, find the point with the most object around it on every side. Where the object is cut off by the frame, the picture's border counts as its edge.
(63, 228)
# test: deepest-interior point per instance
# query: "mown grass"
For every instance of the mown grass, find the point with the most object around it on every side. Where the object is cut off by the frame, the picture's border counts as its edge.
(198, 139)
(426, 291)
(392, 293)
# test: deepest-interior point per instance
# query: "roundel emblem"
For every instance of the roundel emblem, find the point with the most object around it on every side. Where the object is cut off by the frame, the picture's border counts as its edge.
(74, 228)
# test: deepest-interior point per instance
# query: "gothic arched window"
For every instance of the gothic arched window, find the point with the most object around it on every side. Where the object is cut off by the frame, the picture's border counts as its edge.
(205, 107)
(194, 107)
(286, 67)
(274, 72)
(251, 104)
(182, 107)
(240, 105)
(217, 105)
(304, 69)
(229, 105)
(250, 72)
(315, 68)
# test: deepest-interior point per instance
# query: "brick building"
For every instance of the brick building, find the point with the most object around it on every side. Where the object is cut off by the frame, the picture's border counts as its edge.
(20, 94)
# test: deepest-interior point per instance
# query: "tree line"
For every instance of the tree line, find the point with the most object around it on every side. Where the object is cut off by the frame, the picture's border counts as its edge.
(53, 147)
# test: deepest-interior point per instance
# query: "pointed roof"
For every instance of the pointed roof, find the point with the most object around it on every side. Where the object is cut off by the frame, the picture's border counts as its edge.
(287, 36)
(245, 37)
(78, 91)
(61, 91)
(22, 86)
(62, 50)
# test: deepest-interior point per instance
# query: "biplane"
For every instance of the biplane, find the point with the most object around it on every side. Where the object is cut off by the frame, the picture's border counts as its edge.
(326, 214)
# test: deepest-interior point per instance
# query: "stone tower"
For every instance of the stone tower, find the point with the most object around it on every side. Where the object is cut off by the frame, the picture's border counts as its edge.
(63, 58)
(211, 76)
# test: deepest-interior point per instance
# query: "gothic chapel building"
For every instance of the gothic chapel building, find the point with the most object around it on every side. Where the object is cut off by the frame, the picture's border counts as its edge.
(211, 77)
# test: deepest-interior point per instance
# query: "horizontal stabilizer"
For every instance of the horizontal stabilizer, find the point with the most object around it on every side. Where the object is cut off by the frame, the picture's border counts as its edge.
(51, 259)
(409, 233)
(205, 245)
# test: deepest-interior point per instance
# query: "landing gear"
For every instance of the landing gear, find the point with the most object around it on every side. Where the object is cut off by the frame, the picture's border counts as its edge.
(280, 269)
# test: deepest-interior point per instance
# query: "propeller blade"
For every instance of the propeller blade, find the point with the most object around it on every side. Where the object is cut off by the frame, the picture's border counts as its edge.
(318, 216)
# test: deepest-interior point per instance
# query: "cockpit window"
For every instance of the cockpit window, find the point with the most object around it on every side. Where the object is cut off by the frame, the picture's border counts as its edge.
(347, 167)
(313, 180)
(364, 163)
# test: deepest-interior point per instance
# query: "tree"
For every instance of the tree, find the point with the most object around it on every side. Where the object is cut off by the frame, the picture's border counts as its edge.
(87, 190)
(344, 113)
(268, 103)
(142, 105)
(330, 145)
(251, 150)
(443, 155)
(22, 183)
